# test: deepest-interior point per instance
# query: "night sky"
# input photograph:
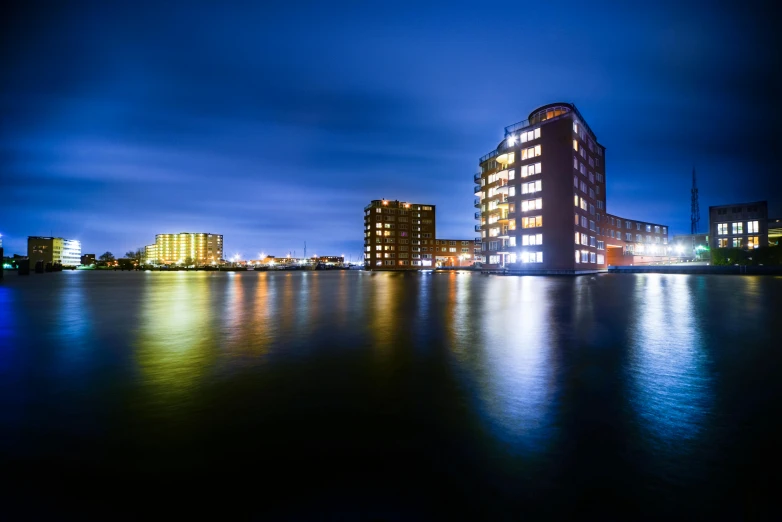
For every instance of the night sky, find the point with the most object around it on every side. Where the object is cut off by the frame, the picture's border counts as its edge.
(276, 124)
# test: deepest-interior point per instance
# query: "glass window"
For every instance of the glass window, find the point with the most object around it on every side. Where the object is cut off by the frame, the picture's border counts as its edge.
(738, 228)
(722, 229)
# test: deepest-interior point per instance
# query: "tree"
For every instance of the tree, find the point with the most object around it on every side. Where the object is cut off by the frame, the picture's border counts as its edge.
(135, 255)
(106, 257)
(189, 261)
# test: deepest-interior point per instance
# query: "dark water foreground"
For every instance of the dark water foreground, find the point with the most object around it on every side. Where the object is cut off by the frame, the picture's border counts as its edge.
(359, 396)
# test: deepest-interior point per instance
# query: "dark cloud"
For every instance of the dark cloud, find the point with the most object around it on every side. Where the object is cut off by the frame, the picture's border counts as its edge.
(276, 123)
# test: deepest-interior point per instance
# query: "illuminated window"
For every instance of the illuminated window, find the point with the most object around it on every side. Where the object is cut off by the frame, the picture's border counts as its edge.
(584, 239)
(578, 256)
(752, 227)
(576, 217)
(575, 144)
(722, 229)
(752, 241)
(577, 236)
(736, 242)
(738, 228)
(575, 127)
(722, 243)
(512, 191)
(512, 174)
(575, 201)
(531, 187)
(532, 222)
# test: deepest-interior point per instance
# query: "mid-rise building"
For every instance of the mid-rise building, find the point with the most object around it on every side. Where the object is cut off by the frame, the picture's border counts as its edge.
(87, 259)
(399, 235)
(541, 201)
(739, 225)
(191, 248)
(66, 252)
(454, 252)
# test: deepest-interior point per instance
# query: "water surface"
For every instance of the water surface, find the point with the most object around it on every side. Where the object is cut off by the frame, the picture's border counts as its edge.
(355, 395)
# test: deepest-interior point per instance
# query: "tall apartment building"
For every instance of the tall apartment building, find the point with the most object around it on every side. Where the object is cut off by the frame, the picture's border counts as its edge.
(541, 200)
(199, 248)
(399, 235)
(739, 225)
(53, 250)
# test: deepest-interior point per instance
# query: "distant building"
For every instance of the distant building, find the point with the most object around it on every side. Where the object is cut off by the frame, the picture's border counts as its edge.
(774, 231)
(53, 250)
(88, 259)
(398, 235)
(199, 248)
(331, 260)
(739, 225)
(690, 245)
(454, 252)
(541, 201)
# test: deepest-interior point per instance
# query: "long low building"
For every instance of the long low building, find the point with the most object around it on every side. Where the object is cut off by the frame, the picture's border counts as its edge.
(185, 248)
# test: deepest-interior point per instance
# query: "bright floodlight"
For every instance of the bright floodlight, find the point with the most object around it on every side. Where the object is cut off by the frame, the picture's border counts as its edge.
(680, 249)
(511, 139)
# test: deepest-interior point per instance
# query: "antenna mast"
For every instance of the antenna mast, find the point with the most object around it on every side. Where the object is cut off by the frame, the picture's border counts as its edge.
(695, 211)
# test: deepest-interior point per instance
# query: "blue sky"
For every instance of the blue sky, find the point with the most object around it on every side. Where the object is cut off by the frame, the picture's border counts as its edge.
(276, 124)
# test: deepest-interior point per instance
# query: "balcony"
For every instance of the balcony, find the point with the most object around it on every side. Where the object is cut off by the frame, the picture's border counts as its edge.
(477, 215)
(477, 178)
(477, 190)
(503, 202)
(476, 203)
(478, 240)
(477, 228)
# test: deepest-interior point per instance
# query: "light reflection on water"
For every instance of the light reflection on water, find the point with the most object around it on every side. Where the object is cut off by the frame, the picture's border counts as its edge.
(671, 388)
(491, 382)
(176, 344)
(503, 343)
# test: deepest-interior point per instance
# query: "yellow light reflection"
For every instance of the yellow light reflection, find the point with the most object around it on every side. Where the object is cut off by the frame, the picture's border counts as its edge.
(175, 337)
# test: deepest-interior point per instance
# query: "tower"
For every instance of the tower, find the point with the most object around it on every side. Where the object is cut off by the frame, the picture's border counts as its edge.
(695, 212)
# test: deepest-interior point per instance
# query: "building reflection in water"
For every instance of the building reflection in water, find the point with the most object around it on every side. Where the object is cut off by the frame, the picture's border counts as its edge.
(176, 344)
(670, 387)
(508, 356)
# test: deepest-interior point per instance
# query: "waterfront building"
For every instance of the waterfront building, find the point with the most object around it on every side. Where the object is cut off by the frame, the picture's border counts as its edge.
(66, 252)
(541, 201)
(399, 235)
(454, 252)
(87, 259)
(739, 225)
(192, 248)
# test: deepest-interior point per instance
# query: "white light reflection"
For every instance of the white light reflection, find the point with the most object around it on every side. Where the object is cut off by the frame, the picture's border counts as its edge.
(513, 370)
(671, 390)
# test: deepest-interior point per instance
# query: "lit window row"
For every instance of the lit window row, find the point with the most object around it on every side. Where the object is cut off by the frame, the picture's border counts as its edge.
(532, 239)
(532, 222)
(531, 152)
(531, 204)
(530, 170)
(531, 187)
(737, 228)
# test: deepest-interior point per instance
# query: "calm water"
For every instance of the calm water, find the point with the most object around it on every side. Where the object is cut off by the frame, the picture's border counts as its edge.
(351, 395)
